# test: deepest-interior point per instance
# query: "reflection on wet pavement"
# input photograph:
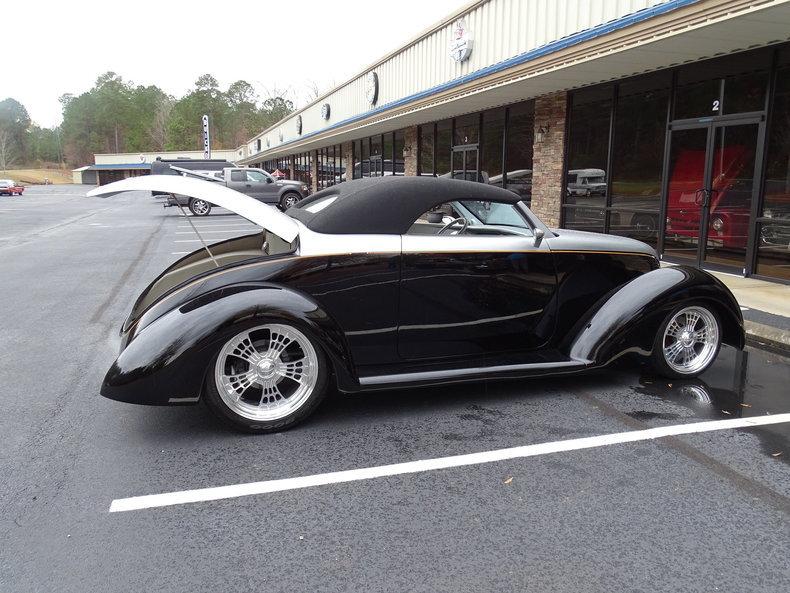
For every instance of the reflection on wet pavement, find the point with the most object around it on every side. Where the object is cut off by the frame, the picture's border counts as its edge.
(740, 384)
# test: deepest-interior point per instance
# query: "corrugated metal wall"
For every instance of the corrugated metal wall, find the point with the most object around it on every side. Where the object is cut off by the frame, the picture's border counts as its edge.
(501, 29)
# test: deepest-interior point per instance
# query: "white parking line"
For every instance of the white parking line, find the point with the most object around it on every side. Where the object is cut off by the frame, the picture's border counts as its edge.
(212, 232)
(424, 465)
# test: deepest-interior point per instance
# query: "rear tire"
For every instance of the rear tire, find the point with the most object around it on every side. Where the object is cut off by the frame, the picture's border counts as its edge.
(199, 207)
(266, 378)
(288, 200)
(687, 342)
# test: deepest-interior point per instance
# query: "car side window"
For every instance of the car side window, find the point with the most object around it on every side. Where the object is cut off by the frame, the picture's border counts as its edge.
(471, 217)
(256, 177)
(238, 176)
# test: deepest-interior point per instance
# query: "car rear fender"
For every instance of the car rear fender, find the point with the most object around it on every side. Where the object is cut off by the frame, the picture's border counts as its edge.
(167, 362)
(626, 320)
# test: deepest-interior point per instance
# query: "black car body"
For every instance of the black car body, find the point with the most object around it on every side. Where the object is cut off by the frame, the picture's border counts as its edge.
(390, 300)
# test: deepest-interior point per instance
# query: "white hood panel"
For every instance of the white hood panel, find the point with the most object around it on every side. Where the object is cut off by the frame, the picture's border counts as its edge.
(256, 212)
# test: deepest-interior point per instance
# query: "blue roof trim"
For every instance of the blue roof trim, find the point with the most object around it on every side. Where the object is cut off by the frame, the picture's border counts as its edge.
(554, 46)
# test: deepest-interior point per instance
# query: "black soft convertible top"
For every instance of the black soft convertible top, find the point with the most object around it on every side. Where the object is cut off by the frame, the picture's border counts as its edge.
(388, 205)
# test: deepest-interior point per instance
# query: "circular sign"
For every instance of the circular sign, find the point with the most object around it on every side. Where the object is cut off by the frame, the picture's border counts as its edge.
(461, 42)
(325, 111)
(372, 88)
(299, 124)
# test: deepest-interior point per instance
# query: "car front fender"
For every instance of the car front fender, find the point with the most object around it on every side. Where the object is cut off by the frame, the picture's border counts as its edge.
(166, 363)
(627, 319)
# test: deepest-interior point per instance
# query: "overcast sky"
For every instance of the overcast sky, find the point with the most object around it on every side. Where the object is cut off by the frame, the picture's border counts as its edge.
(51, 48)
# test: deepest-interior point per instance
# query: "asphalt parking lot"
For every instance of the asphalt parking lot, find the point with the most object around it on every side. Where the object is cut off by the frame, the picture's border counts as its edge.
(705, 511)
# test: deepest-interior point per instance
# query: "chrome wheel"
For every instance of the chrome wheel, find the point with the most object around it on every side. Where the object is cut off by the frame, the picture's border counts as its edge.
(200, 207)
(289, 200)
(266, 373)
(691, 340)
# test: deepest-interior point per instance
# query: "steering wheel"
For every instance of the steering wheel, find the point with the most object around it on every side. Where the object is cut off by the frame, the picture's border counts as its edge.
(460, 220)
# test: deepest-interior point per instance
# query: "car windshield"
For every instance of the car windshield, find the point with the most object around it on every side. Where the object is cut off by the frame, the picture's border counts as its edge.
(495, 213)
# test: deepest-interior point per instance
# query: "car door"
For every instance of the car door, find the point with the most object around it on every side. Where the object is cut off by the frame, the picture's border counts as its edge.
(484, 291)
(238, 181)
(262, 186)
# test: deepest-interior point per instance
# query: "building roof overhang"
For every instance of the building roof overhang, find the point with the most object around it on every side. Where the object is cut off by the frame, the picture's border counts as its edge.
(667, 35)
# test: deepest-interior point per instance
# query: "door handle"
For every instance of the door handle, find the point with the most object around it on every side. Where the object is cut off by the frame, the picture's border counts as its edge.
(248, 185)
(702, 197)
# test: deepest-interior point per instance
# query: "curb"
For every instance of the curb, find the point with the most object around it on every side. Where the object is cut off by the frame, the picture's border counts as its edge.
(765, 336)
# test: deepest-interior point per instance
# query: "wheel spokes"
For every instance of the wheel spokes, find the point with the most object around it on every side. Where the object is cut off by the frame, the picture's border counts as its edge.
(238, 383)
(671, 352)
(294, 370)
(271, 393)
(246, 350)
(277, 344)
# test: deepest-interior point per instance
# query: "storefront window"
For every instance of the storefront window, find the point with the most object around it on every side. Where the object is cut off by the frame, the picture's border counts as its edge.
(397, 158)
(734, 84)
(588, 145)
(773, 245)
(491, 146)
(426, 149)
(467, 129)
(637, 157)
(387, 157)
(520, 140)
(443, 146)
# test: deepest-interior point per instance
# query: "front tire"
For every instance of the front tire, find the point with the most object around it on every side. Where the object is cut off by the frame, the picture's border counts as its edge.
(266, 378)
(687, 342)
(199, 207)
(288, 200)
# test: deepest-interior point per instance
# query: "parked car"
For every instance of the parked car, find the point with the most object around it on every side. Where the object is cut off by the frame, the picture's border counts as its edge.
(256, 183)
(586, 182)
(356, 288)
(8, 187)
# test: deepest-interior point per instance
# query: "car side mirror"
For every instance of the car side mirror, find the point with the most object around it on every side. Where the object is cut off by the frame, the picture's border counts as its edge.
(269, 180)
(539, 234)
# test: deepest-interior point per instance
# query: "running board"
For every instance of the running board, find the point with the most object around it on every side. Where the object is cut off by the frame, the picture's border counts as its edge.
(469, 373)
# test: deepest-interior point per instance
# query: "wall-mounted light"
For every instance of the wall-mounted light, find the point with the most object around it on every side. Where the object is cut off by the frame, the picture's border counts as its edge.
(407, 151)
(541, 133)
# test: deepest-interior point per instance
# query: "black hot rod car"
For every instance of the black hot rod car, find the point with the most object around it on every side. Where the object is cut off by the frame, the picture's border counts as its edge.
(400, 281)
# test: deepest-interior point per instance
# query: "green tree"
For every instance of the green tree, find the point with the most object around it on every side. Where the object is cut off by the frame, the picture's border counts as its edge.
(15, 123)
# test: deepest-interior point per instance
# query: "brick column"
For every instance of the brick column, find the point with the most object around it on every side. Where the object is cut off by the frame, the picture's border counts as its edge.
(547, 158)
(347, 152)
(410, 150)
(313, 171)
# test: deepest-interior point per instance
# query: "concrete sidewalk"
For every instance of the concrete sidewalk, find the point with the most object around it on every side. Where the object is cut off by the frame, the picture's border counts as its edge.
(766, 309)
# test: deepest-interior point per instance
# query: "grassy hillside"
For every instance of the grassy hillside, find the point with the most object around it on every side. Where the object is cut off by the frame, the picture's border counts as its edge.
(37, 176)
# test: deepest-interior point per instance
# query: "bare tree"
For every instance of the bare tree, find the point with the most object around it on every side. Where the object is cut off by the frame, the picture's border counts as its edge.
(158, 130)
(7, 155)
(312, 90)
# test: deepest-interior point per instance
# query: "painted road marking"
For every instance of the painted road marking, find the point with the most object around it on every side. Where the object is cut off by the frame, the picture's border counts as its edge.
(411, 467)
(212, 232)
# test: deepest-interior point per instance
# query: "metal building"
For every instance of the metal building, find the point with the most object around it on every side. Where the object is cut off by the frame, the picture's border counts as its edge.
(667, 120)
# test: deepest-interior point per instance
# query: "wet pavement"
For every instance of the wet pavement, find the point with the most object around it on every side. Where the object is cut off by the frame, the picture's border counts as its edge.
(698, 512)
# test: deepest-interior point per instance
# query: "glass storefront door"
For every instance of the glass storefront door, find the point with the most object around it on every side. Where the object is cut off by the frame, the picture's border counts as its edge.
(465, 162)
(710, 191)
